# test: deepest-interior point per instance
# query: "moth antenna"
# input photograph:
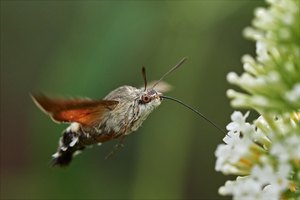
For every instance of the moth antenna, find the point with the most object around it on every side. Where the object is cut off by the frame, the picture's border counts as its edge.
(171, 70)
(144, 76)
(196, 111)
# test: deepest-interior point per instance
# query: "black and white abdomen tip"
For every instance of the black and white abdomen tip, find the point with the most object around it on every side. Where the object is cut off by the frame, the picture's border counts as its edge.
(68, 147)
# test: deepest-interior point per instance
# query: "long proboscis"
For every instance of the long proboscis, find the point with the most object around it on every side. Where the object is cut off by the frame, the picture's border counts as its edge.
(171, 70)
(195, 111)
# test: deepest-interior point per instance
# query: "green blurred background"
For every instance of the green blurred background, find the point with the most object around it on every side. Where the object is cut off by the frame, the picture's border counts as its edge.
(88, 48)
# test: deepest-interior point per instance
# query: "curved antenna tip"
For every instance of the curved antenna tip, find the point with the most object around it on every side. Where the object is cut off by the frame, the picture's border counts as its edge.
(171, 70)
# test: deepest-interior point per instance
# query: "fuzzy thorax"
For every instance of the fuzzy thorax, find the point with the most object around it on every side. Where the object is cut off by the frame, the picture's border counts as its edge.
(134, 107)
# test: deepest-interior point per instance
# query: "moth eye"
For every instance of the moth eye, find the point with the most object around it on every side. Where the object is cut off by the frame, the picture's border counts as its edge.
(145, 98)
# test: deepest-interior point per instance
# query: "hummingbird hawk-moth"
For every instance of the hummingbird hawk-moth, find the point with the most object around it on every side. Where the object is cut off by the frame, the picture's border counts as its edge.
(117, 115)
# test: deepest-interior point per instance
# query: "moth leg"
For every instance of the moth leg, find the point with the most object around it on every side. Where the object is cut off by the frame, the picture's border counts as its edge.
(117, 147)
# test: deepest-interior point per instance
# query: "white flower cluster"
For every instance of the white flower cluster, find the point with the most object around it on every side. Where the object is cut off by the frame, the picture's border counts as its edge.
(265, 160)
(265, 154)
(273, 78)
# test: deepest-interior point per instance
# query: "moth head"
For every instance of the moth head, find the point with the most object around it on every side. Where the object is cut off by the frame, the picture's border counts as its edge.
(150, 98)
(146, 101)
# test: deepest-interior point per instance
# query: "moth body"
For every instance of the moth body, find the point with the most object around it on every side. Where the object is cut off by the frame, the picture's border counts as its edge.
(120, 113)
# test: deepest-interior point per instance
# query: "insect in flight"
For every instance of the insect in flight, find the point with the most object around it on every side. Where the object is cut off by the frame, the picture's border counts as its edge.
(120, 113)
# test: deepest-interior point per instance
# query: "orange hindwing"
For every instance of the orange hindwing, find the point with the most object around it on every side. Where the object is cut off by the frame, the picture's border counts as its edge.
(83, 111)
